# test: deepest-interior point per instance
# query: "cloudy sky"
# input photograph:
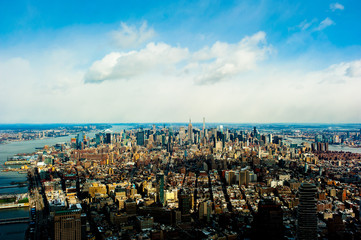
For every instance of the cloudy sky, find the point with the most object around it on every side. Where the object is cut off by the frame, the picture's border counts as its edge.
(150, 61)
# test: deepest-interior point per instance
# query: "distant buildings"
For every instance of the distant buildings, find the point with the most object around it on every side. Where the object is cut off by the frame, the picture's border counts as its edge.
(218, 183)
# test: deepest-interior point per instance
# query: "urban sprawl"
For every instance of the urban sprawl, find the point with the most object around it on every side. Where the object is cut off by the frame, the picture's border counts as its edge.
(187, 182)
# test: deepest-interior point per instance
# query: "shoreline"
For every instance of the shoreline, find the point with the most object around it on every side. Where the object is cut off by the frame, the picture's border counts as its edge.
(14, 205)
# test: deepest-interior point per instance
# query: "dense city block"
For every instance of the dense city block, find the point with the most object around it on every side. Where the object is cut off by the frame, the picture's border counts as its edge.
(198, 182)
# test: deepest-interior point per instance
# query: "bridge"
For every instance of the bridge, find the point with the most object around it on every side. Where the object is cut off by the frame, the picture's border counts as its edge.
(14, 220)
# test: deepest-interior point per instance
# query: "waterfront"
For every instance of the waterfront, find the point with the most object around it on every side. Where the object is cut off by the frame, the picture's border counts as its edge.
(17, 231)
(331, 147)
(343, 148)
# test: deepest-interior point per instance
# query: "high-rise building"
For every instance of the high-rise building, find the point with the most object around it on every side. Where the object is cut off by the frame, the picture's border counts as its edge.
(204, 130)
(140, 138)
(184, 202)
(182, 133)
(160, 183)
(243, 177)
(320, 147)
(79, 140)
(307, 212)
(108, 138)
(231, 177)
(190, 132)
(67, 224)
(270, 138)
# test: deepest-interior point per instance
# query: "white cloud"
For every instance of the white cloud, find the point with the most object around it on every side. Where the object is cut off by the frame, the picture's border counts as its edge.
(223, 60)
(336, 6)
(325, 23)
(130, 36)
(354, 69)
(127, 65)
(209, 65)
(304, 25)
(341, 73)
(280, 92)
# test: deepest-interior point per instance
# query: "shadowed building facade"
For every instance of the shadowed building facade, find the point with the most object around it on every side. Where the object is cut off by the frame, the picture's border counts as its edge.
(307, 212)
(67, 225)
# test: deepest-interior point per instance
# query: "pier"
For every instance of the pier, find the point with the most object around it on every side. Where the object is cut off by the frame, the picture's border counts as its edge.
(14, 220)
(14, 186)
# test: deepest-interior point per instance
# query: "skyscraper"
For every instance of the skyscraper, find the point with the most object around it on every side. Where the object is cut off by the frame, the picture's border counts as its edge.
(307, 212)
(108, 137)
(204, 131)
(190, 132)
(140, 138)
(79, 140)
(270, 138)
(160, 183)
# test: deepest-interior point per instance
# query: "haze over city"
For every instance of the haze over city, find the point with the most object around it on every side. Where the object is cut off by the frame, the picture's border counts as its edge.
(150, 61)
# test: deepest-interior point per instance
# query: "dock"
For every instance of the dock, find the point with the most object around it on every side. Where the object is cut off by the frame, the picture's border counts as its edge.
(14, 220)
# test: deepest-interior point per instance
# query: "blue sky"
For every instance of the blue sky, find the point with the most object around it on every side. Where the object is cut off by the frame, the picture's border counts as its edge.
(156, 61)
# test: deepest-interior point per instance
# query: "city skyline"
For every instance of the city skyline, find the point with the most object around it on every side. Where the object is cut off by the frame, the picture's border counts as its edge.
(234, 62)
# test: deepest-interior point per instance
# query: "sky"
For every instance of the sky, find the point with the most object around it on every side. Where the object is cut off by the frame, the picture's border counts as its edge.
(167, 61)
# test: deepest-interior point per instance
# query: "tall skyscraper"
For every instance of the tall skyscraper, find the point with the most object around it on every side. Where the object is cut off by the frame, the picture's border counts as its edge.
(190, 132)
(79, 140)
(160, 183)
(307, 212)
(140, 138)
(204, 130)
(108, 138)
(270, 138)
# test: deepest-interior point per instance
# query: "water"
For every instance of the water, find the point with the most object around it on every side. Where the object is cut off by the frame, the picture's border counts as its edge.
(13, 231)
(343, 148)
(330, 146)
(17, 231)
(10, 149)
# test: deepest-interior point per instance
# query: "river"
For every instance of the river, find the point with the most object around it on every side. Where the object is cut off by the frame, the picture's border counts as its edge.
(331, 147)
(17, 231)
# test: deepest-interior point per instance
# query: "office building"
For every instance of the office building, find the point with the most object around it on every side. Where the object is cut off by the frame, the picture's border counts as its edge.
(108, 138)
(140, 138)
(67, 224)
